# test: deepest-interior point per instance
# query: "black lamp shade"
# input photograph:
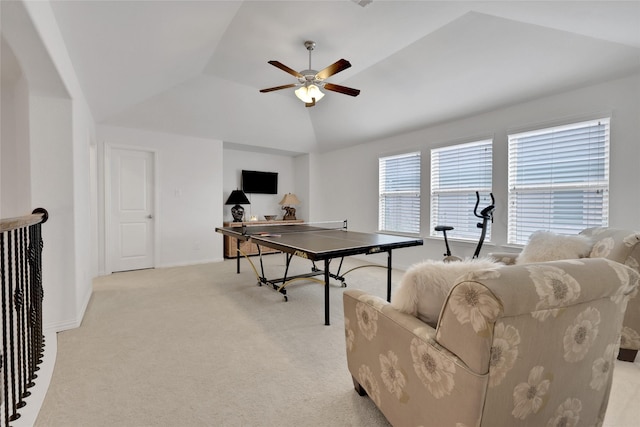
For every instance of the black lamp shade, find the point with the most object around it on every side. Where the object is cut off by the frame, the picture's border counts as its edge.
(237, 197)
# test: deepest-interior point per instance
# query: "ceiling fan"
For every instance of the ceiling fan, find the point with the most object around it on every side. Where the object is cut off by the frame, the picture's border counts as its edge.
(310, 81)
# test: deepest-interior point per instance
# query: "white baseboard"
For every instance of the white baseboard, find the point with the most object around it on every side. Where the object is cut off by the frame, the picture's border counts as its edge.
(185, 264)
(65, 325)
(381, 259)
(85, 304)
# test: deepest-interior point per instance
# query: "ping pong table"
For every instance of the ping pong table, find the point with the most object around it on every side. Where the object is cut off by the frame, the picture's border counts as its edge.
(315, 242)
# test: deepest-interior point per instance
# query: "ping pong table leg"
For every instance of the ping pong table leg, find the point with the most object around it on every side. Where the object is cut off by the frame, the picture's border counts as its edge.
(238, 255)
(263, 278)
(326, 292)
(389, 276)
(288, 261)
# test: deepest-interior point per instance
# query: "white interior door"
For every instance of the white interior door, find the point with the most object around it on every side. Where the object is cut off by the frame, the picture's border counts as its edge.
(132, 216)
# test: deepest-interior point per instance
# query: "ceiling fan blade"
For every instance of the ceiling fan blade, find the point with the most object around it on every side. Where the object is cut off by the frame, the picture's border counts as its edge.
(342, 89)
(271, 89)
(334, 68)
(285, 68)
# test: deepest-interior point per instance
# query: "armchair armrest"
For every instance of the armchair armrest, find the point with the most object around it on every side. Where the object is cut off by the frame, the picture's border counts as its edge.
(406, 321)
(395, 358)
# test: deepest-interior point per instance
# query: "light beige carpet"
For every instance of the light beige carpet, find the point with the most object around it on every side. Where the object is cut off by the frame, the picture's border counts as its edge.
(204, 346)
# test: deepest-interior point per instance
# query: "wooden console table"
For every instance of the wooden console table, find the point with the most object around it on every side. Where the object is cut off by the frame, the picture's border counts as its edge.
(249, 248)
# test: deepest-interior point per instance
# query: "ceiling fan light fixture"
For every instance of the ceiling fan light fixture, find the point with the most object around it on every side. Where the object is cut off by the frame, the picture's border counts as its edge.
(306, 93)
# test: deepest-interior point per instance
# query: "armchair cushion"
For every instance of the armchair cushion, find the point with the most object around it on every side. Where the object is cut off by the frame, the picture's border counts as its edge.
(547, 246)
(425, 286)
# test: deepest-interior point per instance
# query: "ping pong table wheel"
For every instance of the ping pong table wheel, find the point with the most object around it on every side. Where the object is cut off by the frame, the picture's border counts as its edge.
(286, 298)
(344, 284)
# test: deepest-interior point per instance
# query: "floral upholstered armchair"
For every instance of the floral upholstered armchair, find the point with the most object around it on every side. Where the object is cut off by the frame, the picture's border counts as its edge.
(622, 246)
(521, 345)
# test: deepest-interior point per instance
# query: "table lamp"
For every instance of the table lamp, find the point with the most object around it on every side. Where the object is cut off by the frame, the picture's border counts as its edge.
(237, 198)
(286, 202)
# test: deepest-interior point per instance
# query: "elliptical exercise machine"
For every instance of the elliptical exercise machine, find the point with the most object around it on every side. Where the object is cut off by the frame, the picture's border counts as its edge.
(486, 214)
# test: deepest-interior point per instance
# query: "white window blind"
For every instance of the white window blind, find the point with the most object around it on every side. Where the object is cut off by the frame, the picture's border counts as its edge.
(457, 172)
(558, 179)
(399, 190)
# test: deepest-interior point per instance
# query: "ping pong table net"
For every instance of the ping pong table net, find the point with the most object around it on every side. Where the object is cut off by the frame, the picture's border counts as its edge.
(305, 227)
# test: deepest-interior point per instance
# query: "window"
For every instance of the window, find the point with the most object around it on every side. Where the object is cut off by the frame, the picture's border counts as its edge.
(457, 172)
(399, 190)
(558, 179)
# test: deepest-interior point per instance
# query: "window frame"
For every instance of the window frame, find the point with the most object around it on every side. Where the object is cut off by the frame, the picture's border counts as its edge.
(410, 193)
(462, 219)
(559, 190)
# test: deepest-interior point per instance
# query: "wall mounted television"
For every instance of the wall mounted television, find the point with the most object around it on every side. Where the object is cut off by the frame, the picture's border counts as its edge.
(257, 182)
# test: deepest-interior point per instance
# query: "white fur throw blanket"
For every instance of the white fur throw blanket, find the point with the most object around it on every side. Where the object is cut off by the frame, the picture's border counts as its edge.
(547, 246)
(425, 286)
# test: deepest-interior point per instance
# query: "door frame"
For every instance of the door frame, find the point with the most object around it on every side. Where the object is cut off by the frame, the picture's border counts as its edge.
(108, 231)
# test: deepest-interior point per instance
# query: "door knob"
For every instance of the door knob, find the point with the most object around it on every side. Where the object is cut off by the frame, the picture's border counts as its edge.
(150, 216)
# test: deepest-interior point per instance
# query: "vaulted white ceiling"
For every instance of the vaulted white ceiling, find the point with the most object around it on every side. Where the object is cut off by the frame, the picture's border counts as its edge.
(195, 68)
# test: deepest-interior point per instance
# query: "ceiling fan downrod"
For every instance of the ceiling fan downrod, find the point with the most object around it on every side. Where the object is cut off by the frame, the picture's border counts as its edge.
(308, 75)
(310, 45)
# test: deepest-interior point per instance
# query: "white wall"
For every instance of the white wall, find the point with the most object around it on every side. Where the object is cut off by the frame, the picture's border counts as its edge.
(52, 189)
(52, 127)
(188, 189)
(74, 196)
(15, 181)
(346, 181)
(261, 204)
(84, 212)
(302, 186)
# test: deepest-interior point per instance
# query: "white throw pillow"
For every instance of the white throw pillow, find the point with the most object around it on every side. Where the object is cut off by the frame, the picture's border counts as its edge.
(425, 286)
(547, 246)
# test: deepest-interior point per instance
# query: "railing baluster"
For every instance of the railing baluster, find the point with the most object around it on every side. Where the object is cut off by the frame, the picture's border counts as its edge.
(21, 296)
(23, 321)
(5, 334)
(12, 326)
(36, 284)
(28, 298)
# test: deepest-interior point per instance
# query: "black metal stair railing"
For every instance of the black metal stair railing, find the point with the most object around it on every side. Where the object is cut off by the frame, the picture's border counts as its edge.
(21, 299)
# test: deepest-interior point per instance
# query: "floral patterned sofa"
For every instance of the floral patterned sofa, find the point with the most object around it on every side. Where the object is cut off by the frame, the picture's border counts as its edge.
(622, 246)
(521, 345)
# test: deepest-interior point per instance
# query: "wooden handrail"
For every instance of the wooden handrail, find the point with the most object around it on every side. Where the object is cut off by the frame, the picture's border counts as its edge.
(39, 215)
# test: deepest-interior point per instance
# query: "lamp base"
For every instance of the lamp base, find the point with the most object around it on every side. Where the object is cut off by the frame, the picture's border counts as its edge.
(237, 212)
(290, 213)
